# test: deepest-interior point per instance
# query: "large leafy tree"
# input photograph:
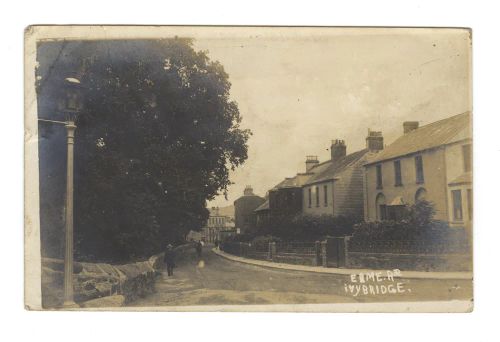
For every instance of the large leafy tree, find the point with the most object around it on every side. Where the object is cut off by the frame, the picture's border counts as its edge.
(156, 139)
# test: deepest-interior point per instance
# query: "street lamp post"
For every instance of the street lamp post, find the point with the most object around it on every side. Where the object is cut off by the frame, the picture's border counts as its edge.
(68, 255)
(70, 104)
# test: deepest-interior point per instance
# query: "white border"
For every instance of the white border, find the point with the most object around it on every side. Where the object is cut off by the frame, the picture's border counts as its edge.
(481, 16)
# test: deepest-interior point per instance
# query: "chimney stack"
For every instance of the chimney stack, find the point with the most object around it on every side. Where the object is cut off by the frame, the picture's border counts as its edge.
(311, 161)
(374, 141)
(337, 150)
(409, 126)
(248, 191)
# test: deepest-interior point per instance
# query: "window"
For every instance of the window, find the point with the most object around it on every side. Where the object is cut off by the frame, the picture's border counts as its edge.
(419, 169)
(397, 173)
(309, 198)
(395, 212)
(469, 203)
(457, 205)
(420, 195)
(467, 152)
(317, 196)
(380, 207)
(325, 189)
(379, 176)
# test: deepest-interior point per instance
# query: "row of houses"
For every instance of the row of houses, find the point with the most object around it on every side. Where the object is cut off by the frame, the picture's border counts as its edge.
(432, 162)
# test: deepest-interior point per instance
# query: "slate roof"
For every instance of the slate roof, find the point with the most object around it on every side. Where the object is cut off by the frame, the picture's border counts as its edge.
(263, 206)
(301, 178)
(426, 137)
(331, 170)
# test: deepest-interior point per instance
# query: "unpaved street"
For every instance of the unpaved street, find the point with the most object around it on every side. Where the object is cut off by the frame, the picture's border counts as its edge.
(217, 281)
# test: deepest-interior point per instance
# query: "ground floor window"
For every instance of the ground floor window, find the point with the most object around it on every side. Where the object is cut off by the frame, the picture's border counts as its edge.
(396, 212)
(325, 190)
(381, 207)
(457, 205)
(469, 203)
(420, 195)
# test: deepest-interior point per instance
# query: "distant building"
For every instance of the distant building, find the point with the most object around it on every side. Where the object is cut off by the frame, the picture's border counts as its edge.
(194, 236)
(262, 213)
(218, 226)
(244, 207)
(432, 162)
(336, 188)
(285, 198)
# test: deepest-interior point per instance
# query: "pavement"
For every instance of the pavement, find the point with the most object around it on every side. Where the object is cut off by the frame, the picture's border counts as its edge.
(217, 280)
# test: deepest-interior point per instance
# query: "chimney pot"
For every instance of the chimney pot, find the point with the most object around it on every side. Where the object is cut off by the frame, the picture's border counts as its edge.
(311, 161)
(337, 150)
(248, 190)
(409, 126)
(374, 141)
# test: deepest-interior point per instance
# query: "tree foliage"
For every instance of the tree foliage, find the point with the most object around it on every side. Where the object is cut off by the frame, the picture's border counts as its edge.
(156, 139)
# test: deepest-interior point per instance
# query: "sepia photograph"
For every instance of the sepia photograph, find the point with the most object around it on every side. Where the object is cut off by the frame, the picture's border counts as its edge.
(233, 168)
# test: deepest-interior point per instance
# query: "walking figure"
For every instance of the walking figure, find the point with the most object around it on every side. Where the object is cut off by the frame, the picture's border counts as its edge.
(169, 260)
(198, 248)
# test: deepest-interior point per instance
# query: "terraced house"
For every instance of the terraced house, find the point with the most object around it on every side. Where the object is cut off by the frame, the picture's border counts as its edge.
(432, 162)
(333, 187)
(337, 189)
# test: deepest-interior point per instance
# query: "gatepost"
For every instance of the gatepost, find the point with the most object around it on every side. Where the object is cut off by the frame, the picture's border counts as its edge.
(272, 251)
(323, 254)
(317, 250)
(346, 251)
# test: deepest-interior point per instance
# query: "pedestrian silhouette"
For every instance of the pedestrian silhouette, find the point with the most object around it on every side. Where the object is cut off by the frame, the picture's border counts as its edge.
(198, 248)
(169, 260)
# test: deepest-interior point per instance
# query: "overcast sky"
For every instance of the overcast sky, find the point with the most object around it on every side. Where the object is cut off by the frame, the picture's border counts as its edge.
(297, 92)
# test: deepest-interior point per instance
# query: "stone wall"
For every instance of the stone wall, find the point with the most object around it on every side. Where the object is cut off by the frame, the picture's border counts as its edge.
(95, 282)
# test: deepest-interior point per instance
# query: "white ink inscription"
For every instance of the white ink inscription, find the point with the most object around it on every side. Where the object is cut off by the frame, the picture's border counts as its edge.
(375, 283)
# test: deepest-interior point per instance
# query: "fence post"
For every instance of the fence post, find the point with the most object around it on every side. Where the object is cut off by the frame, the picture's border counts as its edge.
(323, 254)
(317, 250)
(273, 251)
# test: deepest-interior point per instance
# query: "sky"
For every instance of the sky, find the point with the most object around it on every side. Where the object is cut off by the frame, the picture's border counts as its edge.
(298, 90)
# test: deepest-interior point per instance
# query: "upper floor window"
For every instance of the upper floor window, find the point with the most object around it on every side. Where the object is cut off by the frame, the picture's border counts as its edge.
(309, 197)
(419, 169)
(397, 173)
(379, 176)
(467, 154)
(317, 196)
(325, 194)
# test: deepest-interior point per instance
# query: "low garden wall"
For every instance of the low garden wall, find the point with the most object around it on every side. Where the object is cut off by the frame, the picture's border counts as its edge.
(404, 255)
(451, 255)
(299, 253)
(101, 284)
(413, 262)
